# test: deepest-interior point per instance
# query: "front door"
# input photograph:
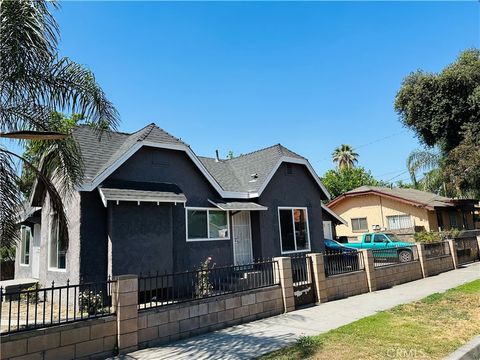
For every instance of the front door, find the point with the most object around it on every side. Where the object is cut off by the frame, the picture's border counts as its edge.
(36, 251)
(242, 238)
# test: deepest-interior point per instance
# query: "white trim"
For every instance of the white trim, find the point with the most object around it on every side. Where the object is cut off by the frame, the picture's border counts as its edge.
(224, 194)
(207, 209)
(22, 245)
(330, 211)
(294, 235)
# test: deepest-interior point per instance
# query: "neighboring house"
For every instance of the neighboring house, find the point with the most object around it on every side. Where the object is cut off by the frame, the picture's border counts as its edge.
(404, 211)
(149, 203)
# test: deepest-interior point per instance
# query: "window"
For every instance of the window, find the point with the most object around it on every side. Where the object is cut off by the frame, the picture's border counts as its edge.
(25, 237)
(368, 238)
(397, 222)
(359, 224)
(380, 238)
(57, 249)
(206, 224)
(294, 232)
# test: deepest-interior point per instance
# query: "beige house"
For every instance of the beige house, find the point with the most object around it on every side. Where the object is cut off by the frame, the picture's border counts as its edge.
(404, 211)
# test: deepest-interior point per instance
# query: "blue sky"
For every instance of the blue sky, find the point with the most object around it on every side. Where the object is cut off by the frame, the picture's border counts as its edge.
(242, 76)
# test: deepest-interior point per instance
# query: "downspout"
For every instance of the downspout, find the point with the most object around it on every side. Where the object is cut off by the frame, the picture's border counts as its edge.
(381, 212)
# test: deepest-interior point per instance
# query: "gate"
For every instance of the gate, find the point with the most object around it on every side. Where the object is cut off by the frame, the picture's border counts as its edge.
(467, 250)
(302, 280)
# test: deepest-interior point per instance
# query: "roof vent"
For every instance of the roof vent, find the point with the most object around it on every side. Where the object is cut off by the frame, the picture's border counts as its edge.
(217, 158)
(254, 177)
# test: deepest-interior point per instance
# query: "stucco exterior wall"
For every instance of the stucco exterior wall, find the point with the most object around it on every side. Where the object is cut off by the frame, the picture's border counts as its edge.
(376, 209)
(60, 276)
(296, 190)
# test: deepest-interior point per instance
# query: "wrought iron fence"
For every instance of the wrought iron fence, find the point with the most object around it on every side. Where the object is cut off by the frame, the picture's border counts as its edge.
(39, 307)
(301, 269)
(467, 250)
(158, 289)
(341, 262)
(400, 255)
(436, 249)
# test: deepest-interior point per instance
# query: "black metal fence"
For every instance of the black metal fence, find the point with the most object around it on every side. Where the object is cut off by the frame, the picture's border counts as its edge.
(301, 271)
(467, 250)
(393, 256)
(342, 262)
(436, 249)
(38, 307)
(163, 289)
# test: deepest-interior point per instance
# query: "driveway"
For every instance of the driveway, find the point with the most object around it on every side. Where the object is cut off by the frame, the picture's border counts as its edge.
(260, 337)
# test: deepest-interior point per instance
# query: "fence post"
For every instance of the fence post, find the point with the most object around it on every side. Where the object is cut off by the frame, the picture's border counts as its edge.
(422, 258)
(125, 305)
(369, 264)
(286, 281)
(452, 244)
(319, 281)
(478, 243)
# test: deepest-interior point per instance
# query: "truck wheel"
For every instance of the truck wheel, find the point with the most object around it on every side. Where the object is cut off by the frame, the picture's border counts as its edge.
(405, 256)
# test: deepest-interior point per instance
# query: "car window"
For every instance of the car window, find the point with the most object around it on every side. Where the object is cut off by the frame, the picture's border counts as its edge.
(368, 238)
(380, 238)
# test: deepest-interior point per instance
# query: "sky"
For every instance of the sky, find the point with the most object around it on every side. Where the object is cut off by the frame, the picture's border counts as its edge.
(243, 76)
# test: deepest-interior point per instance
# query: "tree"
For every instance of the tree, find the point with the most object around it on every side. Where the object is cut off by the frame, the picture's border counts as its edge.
(441, 107)
(344, 157)
(339, 181)
(35, 82)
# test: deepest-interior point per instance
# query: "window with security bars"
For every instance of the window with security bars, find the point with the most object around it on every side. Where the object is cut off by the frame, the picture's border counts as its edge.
(398, 222)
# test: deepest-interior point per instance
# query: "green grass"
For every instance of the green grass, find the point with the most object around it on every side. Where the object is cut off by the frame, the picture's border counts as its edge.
(427, 329)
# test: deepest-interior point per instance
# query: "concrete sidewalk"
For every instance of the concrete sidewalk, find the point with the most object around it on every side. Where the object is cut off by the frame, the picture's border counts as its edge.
(260, 337)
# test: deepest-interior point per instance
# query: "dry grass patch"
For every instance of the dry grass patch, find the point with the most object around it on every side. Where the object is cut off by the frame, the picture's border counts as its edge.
(427, 329)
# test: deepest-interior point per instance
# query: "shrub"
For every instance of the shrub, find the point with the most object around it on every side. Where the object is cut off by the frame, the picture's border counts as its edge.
(33, 296)
(435, 236)
(204, 286)
(90, 302)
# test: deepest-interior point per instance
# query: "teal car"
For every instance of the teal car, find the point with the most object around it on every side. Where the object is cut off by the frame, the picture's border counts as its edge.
(387, 246)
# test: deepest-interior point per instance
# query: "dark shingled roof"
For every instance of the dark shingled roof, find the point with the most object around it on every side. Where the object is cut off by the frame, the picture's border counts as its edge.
(233, 175)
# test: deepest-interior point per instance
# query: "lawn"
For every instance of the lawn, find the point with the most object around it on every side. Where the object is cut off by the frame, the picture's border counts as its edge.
(427, 329)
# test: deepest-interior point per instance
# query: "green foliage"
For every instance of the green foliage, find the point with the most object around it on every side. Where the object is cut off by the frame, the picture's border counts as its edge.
(90, 302)
(345, 179)
(344, 157)
(440, 107)
(33, 295)
(307, 345)
(204, 286)
(435, 236)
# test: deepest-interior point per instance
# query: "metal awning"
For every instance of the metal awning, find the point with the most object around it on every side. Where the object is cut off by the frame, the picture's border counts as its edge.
(246, 206)
(112, 194)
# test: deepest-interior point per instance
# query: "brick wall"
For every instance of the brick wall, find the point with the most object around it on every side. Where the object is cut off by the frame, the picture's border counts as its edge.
(166, 324)
(438, 265)
(88, 339)
(391, 275)
(345, 285)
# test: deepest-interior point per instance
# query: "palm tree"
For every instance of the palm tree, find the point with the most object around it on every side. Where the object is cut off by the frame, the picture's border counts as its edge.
(430, 164)
(35, 83)
(344, 157)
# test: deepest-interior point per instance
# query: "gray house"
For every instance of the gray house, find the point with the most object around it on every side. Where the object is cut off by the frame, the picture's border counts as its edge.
(149, 203)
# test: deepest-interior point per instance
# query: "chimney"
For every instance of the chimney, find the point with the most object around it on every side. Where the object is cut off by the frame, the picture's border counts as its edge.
(217, 158)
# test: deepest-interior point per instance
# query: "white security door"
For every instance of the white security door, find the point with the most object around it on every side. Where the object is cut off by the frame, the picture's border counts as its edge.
(242, 238)
(36, 251)
(327, 230)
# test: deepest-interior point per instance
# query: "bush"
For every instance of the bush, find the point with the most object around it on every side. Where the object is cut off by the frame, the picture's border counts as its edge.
(33, 296)
(204, 287)
(435, 236)
(90, 302)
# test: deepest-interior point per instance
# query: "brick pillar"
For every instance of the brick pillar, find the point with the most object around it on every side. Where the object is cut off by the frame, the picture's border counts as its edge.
(369, 269)
(452, 244)
(319, 280)
(286, 281)
(125, 304)
(422, 258)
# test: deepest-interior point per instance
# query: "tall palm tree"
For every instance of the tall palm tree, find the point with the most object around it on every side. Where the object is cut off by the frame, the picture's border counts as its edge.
(36, 82)
(344, 157)
(429, 163)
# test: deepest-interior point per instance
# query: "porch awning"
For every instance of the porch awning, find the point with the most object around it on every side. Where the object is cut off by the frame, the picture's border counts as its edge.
(112, 194)
(246, 206)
